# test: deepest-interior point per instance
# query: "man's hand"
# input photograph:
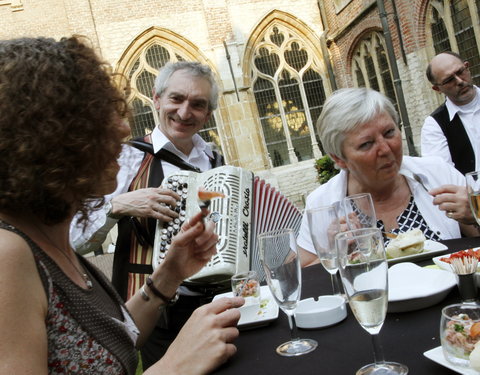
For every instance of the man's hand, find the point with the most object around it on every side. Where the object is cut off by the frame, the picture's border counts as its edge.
(205, 341)
(453, 200)
(148, 202)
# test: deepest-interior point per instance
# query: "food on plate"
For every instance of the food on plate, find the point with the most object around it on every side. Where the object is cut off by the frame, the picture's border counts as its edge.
(461, 254)
(461, 335)
(408, 243)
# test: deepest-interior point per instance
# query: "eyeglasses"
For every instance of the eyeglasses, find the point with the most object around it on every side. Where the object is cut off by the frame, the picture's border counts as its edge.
(459, 74)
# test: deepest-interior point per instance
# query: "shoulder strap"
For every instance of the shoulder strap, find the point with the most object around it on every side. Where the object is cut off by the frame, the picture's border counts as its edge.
(218, 160)
(142, 145)
(162, 154)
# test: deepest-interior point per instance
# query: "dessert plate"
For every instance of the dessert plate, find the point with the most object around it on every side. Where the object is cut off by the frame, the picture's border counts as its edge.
(430, 248)
(253, 316)
(436, 355)
(411, 287)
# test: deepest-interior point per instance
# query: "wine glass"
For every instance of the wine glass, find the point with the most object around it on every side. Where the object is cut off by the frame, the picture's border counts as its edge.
(359, 211)
(324, 224)
(364, 269)
(473, 189)
(281, 263)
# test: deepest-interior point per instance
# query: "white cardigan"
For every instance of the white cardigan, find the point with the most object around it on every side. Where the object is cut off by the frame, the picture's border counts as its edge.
(433, 172)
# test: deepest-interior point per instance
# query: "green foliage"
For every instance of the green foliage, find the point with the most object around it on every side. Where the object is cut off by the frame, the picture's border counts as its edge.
(325, 168)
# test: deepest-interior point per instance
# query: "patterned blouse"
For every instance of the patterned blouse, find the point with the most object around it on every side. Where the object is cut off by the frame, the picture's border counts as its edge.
(89, 331)
(410, 218)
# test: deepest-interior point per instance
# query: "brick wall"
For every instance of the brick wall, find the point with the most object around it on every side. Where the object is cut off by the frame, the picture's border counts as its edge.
(113, 26)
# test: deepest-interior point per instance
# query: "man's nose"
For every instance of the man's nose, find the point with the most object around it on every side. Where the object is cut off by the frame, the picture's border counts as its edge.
(183, 111)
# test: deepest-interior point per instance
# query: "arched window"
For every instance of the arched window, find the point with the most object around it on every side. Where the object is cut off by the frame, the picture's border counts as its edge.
(142, 75)
(370, 65)
(289, 93)
(454, 26)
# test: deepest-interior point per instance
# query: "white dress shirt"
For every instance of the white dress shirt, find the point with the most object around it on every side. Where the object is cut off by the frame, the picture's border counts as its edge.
(130, 160)
(427, 168)
(433, 141)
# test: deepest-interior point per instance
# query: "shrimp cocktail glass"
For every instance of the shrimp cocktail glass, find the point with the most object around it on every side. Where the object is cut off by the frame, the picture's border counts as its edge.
(460, 333)
(247, 285)
(363, 269)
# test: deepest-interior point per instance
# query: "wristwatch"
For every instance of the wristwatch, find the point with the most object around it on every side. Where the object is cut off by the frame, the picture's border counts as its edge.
(108, 210)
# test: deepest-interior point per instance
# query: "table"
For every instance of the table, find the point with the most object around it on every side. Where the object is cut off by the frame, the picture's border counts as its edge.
(345, 347)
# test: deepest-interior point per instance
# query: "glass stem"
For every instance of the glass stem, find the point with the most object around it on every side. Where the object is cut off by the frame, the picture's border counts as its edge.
(293, 327)
(336, 283)
(378, 356)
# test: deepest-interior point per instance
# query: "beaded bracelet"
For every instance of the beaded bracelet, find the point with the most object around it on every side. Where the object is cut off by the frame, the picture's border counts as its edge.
(166, 300)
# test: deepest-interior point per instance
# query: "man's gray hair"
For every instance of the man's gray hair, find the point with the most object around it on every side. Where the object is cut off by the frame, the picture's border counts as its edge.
(347, 109)
(196, 69)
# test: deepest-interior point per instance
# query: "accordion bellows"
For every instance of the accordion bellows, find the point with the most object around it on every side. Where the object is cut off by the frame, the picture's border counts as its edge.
(250, 207)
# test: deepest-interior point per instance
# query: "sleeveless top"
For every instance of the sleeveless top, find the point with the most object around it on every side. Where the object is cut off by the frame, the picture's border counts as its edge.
(82, 337)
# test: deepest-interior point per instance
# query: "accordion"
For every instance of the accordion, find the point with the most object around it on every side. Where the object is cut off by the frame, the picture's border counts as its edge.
(250, 207)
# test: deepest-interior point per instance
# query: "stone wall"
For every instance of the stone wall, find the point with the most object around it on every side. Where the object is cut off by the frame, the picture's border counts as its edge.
(116, 29)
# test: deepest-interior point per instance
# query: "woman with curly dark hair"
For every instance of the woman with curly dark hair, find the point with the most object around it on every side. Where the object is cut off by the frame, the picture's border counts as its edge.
(61, 129)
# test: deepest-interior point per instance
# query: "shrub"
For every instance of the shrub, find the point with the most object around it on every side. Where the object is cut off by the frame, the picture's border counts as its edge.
(325, 167)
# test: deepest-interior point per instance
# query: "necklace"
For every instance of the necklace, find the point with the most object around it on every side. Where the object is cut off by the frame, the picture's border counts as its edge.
(84, 275)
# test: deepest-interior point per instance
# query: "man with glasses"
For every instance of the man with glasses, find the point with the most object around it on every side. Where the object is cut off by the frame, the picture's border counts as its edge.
(452, 131)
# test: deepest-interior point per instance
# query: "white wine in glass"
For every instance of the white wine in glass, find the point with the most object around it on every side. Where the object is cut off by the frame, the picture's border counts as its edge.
(473, 189)
(281, 263)
(364, 271)
(323, 225)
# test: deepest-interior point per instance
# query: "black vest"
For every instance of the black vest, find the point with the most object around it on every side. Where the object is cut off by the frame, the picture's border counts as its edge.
(459, 144)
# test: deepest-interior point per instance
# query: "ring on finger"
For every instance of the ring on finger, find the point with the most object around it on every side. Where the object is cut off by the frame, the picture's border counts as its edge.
(450, 214)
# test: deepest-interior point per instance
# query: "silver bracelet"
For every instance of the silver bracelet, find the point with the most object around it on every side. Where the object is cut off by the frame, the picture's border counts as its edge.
(144, 294)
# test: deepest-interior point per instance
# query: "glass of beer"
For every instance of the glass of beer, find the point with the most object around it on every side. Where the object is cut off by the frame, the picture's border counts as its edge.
(473, 189)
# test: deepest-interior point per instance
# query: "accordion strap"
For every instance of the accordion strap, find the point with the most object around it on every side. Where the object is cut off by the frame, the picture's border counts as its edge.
(163, 154)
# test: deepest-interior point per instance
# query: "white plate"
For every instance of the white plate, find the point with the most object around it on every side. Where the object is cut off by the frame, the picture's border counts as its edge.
(436, 355)
(429, 248)
(252, 316)
(411, 287)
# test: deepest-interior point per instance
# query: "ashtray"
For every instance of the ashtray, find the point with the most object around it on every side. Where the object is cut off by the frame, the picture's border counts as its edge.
(322, 312)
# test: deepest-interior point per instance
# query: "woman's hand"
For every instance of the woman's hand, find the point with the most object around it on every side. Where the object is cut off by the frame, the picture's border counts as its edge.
(205, 341)
(190, 250)
(453, 200)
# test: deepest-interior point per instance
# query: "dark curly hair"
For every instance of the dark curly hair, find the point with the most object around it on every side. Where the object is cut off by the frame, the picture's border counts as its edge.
(59, 132)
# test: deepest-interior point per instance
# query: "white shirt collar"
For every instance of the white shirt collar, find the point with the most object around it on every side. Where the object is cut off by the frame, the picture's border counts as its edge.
(453, 108)
(160, 140)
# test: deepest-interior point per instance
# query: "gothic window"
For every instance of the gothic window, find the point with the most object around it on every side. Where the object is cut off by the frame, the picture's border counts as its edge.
(370, 66)
(142, 77)
(289, 93)
(454, 26)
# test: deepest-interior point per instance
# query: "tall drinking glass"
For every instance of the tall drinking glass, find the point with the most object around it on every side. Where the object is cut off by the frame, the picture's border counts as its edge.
(359, 211)
(364, 269)
(324, 224)
(281, 263)
(473, 189)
